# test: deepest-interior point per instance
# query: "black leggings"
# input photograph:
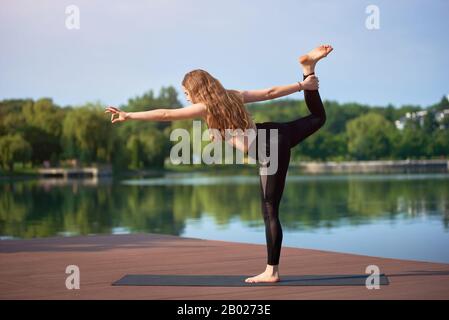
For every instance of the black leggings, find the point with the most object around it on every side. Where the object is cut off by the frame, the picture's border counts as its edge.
(272, 185)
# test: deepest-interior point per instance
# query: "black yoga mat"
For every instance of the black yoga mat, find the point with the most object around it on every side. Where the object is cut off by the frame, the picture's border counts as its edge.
(239, 280)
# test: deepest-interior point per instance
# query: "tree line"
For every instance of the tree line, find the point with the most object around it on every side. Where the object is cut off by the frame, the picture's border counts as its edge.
(34, 131)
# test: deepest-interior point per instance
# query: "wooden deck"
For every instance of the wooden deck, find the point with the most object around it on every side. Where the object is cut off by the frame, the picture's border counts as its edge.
(35, 269)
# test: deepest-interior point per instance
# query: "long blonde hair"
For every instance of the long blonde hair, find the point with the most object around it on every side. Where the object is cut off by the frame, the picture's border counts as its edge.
(225, 108)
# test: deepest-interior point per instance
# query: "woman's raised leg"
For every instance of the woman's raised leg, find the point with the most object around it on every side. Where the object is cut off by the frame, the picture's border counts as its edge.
(303, 127)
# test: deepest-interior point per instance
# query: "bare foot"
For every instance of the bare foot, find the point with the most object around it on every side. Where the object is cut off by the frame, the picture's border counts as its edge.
(309, 60)
(264, 277)
(315, 55)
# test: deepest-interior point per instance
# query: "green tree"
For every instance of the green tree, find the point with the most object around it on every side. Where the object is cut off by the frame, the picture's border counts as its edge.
(430, 124)
(322, 145)
(88, 135)
(167, 98)
(442, 105)
(369, 136)
(338, 115)
(411, 143)
(440, 143)
(13, 148)
(134, 151)
(43, 126)
(155, 148)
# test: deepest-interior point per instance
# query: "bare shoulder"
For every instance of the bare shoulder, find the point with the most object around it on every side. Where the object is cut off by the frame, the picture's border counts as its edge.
(196, 110)
(238, 92)
(200, 109)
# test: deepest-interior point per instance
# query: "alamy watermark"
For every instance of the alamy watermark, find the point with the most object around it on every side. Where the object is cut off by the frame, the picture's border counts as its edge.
(372, 22)
(373, 280)
(72, 20)
(73, 280)
(212, 153)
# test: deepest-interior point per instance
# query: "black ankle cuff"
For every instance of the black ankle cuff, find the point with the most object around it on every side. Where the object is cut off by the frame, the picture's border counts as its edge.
(305, 76)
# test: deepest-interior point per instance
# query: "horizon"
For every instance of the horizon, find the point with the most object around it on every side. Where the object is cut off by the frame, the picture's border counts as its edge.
(156, 96)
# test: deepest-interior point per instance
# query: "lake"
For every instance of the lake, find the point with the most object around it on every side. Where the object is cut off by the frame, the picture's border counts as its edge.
(403, 216)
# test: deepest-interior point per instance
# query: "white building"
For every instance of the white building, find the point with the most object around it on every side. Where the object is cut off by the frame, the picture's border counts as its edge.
(419, 117)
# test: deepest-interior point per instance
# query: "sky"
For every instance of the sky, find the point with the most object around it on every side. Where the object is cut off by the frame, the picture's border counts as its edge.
(125, 48)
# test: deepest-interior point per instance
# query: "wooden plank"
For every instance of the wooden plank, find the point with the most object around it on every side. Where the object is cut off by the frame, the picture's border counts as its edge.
(35, 269)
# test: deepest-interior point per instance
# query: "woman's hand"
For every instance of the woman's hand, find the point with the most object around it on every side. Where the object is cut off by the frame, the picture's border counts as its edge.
(121, 115)
(311, 83)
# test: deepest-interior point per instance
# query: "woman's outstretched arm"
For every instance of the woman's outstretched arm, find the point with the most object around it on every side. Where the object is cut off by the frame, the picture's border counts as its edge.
(197, 110)
(311, 83)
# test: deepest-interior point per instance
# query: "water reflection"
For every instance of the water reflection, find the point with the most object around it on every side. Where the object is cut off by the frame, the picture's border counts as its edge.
(175, 204)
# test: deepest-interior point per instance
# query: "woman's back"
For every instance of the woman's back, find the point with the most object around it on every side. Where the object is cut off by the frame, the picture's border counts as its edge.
(239, 138)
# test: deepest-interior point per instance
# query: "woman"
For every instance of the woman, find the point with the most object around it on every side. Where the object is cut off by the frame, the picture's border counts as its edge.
(224, 109)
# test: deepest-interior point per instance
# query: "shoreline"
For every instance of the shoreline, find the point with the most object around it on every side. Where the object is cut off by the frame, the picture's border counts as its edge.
(375, 166)
(306, 167)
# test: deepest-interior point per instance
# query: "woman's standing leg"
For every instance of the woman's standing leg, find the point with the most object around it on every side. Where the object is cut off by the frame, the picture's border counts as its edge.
(272, 186)
(271, 190)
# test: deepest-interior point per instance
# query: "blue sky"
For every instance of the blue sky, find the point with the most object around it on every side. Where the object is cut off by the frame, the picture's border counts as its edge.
(125, 48)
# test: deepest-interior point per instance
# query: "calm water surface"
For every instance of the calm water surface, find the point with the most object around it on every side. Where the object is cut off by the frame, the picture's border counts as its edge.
(393, 215)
